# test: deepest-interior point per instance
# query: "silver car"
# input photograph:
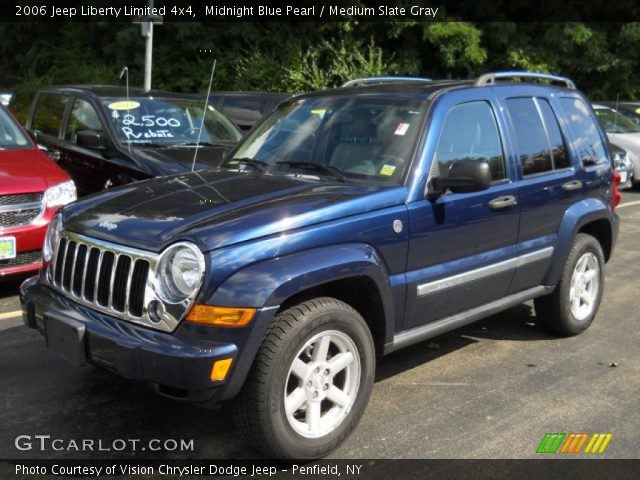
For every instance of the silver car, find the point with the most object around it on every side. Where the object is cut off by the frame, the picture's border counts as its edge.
(623, 166)
(623, 133)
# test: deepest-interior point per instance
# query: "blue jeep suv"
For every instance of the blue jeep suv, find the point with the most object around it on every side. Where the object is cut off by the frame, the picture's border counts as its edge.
(348, 224)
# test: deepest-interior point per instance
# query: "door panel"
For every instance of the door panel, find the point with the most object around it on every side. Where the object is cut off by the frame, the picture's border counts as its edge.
(547, 183)
(462, 247)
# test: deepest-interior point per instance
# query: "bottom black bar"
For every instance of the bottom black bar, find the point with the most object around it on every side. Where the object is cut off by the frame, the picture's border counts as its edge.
(324, 469)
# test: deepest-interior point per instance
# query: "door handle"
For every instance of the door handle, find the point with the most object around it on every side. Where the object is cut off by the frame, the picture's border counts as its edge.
(572, 186)
(501, 203)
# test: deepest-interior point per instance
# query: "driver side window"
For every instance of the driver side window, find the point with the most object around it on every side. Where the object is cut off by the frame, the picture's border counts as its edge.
(470, 131)
(83, 117)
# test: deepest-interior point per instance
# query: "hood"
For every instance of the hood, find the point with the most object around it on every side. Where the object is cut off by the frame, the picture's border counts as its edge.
(170, 160)
(28, 170)
(219, 208)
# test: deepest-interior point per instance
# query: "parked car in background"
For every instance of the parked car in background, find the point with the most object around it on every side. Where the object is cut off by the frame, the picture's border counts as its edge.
(32, 189)
(246, 109)
(622, 132)
(5, 98)
(104, 137)
(345, 226)
(623, 165)
(631, 110)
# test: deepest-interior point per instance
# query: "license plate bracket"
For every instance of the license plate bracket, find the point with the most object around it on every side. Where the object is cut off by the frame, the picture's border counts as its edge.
(66, 337)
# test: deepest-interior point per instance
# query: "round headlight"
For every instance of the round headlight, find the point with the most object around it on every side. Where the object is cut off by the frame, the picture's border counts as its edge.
(180, 271)
(52, 238)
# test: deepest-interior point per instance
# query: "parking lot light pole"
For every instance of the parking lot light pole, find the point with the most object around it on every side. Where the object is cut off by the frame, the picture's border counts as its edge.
(146, 31)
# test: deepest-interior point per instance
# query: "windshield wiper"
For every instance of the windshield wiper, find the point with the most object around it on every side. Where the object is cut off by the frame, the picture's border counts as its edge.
(145, 145)
(195, 144)
(326, 169)
(257, 164)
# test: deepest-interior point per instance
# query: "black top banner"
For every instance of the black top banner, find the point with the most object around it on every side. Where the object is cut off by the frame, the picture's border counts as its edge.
(319, 11)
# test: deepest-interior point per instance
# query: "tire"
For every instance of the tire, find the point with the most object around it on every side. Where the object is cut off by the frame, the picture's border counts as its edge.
(325, 400)
(569, 310)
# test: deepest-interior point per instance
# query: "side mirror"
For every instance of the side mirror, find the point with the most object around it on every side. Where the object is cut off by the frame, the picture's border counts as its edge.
(465, 175)
(90, 139)
(33, 134)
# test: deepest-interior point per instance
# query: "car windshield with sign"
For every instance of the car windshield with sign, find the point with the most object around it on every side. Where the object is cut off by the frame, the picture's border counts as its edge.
(370, 139)
(168, 122)
(614, 122)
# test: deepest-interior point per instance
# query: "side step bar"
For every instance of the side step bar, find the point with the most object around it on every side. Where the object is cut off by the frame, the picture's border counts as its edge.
(438, 327)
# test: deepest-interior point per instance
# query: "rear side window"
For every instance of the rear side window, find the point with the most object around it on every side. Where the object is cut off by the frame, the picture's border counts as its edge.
(540, 144)
(19, 106)
(587, 140)
(470, 132)
(49, 111)
(559, 155)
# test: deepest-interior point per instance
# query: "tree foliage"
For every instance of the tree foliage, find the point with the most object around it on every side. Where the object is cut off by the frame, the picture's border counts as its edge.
(603, 58)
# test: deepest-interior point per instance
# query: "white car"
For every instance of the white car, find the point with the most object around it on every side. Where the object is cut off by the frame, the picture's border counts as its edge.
(623, 133)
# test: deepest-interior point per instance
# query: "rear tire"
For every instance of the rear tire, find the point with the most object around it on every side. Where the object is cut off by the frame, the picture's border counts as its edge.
(572, 306)
(310, 382)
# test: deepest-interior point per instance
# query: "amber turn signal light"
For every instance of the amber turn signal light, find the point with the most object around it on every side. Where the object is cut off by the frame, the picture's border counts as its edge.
(221, 316)
(220, 369)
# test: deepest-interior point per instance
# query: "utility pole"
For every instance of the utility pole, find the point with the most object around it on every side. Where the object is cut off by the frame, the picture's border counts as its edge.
(146, 31)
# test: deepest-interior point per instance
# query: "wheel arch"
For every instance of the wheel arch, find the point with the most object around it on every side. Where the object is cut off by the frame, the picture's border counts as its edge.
(591, 216)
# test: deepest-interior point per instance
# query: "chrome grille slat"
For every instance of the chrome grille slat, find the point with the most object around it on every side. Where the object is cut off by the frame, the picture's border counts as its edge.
(64, 263)
(73, 267)
(114, 269)
(127, 289)
(104, 279)
(121, 275)
(55, 261)
(83, 280)
(94, 299)
(68, 261)
(136, 304)
(92, 269)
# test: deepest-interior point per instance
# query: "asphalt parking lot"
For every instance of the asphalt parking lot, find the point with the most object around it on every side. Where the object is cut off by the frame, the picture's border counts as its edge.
(490, 390)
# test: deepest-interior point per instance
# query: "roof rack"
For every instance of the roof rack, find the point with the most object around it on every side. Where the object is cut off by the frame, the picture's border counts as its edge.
(359, 82)
(490, 78)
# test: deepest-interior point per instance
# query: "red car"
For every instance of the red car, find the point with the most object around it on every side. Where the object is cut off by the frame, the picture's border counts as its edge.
(32, 188)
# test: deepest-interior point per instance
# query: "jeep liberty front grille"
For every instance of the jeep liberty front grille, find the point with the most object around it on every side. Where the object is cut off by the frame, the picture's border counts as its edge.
(104, 276)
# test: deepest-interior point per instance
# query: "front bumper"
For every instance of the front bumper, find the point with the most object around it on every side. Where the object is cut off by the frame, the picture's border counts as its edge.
(175, 364)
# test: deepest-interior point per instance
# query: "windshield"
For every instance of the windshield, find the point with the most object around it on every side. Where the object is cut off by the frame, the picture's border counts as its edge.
(614, 122)
(167, 122)
(364, 138)
(11, 135)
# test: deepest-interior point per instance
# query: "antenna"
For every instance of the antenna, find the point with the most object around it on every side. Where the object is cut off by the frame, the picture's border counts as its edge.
(204, 112)
(125, 72)
(615, 118)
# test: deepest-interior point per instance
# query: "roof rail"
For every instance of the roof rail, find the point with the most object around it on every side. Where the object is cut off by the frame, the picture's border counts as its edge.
(358, 82)
(490, 78)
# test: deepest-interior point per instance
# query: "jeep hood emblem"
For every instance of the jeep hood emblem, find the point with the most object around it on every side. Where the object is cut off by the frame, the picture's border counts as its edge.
(108, 225)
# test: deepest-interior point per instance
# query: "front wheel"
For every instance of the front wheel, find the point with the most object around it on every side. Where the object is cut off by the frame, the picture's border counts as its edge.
(573, 305)
(310, 382)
